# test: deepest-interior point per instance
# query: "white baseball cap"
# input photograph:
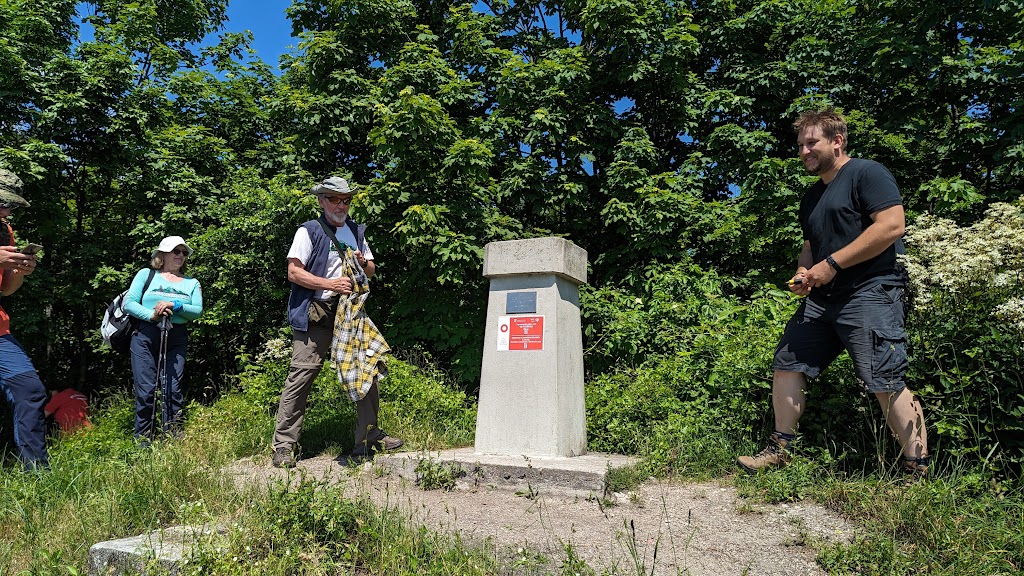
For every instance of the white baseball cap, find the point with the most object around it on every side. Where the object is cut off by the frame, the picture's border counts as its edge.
(170, 243)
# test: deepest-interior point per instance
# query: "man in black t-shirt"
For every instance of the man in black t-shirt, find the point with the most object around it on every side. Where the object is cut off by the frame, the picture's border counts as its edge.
(852, 221)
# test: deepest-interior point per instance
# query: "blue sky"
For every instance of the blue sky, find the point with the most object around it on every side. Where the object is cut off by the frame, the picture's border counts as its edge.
(271, 29)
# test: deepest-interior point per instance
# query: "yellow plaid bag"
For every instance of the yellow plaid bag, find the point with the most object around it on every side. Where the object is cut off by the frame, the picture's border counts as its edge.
(358, 347)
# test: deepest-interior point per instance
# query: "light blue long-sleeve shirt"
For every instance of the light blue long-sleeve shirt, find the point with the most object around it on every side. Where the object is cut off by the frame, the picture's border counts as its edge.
(187, 295)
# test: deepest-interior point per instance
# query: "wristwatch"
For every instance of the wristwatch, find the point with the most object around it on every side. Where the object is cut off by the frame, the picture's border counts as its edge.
(832, 262)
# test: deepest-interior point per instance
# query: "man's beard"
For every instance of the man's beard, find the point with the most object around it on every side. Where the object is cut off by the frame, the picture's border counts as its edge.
(823, 165)
(334, 219)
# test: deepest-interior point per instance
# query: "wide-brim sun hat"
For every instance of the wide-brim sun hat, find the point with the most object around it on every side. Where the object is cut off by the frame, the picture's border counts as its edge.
(333, 185)
(170, 243)
(10, 189)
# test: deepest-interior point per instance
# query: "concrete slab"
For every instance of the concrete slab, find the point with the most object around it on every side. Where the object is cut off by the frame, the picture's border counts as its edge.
(584, 475)
(159, 552)
(536, 256)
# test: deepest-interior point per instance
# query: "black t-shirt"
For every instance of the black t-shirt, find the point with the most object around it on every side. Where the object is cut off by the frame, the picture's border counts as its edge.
(834, 215)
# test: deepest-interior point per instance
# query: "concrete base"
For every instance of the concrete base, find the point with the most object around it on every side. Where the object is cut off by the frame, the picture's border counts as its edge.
(159, 552)
(585, 475)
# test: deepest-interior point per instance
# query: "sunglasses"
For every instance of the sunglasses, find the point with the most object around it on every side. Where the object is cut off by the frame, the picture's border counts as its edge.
(337, 200)
(180, 252)
(7, 206)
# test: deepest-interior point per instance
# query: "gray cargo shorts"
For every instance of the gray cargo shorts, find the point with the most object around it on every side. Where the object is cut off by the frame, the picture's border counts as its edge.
(868, 324)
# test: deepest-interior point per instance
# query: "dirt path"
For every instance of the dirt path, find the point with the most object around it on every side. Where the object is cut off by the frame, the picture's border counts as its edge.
(697, 529)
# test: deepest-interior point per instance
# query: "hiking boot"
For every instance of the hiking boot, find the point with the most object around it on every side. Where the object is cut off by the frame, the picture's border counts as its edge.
(364, 453)
(776, 453)
(283, 458)
(387, 444)
(914, 469)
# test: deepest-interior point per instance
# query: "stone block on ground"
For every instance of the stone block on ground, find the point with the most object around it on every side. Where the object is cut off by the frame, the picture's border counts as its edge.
(162, 551)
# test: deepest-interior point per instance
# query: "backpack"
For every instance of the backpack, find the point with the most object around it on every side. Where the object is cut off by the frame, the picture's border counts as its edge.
(118, 325)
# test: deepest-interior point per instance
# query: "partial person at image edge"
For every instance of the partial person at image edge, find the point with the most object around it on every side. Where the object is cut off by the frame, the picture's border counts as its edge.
(18, 377)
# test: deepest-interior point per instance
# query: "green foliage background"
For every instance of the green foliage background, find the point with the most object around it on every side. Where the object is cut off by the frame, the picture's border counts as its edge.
(654, 134)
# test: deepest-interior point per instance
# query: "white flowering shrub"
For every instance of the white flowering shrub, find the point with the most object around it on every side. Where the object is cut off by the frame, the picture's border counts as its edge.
(984, 261)
(967, 328)
(275, 350)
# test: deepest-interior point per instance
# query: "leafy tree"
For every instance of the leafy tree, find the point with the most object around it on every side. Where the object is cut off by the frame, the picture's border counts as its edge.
(654, 134)
(121, 140)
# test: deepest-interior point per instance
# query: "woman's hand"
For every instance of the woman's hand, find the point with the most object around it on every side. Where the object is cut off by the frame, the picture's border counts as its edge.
(162, 308)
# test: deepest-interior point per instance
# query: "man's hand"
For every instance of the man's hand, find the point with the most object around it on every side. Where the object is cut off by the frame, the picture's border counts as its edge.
(798, 286)
(11, 259)
(298, 274)
(818, 275)
(367, 265)
(340, 285)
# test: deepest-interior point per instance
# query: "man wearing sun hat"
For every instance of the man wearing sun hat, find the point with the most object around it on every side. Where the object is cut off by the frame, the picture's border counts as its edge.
(329, 259)
(18, 378)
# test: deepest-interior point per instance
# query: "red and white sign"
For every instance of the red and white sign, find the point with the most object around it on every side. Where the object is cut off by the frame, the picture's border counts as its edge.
(520, 333)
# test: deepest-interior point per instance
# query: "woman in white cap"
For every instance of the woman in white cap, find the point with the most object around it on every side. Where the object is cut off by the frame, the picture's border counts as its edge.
(163, 299)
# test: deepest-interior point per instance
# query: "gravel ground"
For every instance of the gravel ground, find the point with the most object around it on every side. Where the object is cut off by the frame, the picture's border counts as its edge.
(660, 528)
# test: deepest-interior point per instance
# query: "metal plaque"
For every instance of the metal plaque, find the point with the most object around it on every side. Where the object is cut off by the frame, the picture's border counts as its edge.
(521, 303)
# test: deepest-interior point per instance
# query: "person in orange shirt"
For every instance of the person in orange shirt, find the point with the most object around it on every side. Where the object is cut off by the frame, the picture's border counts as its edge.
(70, 409)
(18, 378)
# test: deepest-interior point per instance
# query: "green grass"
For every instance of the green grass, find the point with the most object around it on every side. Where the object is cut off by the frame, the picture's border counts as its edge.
(956, 523)
(311, 528)
(102, 487)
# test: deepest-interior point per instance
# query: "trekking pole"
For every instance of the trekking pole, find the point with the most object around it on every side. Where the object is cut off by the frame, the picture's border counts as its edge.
(160, 395)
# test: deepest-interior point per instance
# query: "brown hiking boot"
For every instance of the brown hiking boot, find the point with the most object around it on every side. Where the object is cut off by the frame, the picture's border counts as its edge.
(388, 443)
(365, 453)
(283, 458)
(776, 453)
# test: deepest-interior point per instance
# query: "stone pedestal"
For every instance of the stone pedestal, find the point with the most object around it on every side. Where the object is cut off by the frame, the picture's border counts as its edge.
(531, 381)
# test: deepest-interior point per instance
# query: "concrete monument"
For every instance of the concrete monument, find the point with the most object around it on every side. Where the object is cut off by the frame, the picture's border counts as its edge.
(531, 381)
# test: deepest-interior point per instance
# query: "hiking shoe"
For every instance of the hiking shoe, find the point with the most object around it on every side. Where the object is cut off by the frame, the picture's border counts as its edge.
(914, 469)
(387, 444)
(776, 453)
(283, 458)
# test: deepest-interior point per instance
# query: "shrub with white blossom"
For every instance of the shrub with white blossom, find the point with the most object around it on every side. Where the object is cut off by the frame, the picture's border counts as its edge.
(966, 331)
(984, 262)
